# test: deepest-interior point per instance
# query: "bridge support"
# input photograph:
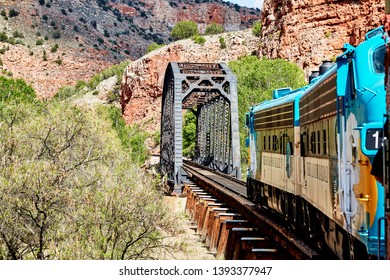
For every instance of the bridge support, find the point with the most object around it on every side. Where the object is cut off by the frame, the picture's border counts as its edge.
(209, 90)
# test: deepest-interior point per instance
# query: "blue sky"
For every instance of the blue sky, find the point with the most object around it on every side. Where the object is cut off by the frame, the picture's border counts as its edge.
(248, 3)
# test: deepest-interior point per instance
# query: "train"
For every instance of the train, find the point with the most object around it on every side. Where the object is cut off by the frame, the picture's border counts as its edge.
(311, 151)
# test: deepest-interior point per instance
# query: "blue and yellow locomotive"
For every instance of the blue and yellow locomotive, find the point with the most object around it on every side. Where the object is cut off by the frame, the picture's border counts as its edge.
(311, 152)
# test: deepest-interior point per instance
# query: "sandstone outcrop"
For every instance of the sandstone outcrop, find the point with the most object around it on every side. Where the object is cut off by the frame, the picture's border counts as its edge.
(309, 31)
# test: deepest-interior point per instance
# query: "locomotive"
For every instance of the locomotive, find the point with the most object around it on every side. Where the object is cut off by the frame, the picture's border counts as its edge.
(311, 152)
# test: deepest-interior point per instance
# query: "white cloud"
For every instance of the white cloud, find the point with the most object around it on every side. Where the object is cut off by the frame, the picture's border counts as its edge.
(258, 3)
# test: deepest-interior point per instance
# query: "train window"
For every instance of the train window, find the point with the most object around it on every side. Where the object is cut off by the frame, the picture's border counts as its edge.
(324, 141)
(319, 142)
(378, 59)
(274, 142)
(313, 142)
(269, 142)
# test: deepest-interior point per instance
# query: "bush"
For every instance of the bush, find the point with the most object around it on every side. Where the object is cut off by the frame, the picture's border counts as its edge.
(153, 46)
(3, 37)
(54, 48)
(199, 40)
(56, 34)
(184, 30)
(16, 90)
(213, 29)
(256, 29)
(17, 34)
(13, 13)
(222, 43)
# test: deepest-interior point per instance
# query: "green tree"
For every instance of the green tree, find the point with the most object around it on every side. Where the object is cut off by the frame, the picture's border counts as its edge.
(184, 30)
(213, 29)
(189, 134)
(16, 90)
(256, 79)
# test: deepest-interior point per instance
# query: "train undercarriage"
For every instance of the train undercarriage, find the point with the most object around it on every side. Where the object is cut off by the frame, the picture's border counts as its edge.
(332, 240)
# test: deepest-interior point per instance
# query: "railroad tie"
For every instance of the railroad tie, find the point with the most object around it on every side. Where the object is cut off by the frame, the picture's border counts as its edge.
(193, 200)
(266, 254)
(216, 234)
(247, 244)
(198, 206)
(210, 207)
(188, 186)
(204, 202)
(229, 229)
(190, 192)
(214, 213)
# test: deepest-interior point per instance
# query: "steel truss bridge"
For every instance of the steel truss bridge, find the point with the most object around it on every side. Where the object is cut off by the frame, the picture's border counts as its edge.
(209, 90)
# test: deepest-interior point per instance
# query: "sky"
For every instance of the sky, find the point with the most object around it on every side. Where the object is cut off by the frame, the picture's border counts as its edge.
(248, 3)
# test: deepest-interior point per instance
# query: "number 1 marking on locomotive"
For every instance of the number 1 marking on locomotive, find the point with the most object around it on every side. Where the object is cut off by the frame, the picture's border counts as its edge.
(376, 136)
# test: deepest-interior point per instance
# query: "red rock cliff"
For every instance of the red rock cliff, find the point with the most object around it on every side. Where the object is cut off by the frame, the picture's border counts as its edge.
(309, 31)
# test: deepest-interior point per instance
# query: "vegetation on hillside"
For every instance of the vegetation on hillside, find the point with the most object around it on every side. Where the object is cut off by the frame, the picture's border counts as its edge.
(213, 29)
(184, 29)
(83, 86)
(256, 79)
(70, 183)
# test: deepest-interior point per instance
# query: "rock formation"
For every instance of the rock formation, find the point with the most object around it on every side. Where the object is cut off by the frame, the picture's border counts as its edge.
(309, 31)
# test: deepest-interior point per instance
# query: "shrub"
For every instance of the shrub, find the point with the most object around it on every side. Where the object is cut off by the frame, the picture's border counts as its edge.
(152, 47)
(56, 34)
(3, 37)
(222, 43)
(54, 48)
(13, 13)
(16, 90)
(213, 29)
(199, 40)
(184, 30)
(39, 42)
(256, 29)
(17, 34)
(58, 61)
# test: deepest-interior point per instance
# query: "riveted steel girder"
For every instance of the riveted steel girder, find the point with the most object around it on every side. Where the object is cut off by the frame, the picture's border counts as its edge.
(210, 90)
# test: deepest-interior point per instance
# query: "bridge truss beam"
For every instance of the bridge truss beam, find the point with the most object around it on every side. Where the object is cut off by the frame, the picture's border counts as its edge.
(210, 91)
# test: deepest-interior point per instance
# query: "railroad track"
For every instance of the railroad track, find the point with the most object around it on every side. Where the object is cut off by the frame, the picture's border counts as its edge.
(232, 226)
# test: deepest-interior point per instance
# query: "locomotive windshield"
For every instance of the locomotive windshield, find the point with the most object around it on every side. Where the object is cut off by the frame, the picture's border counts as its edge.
(378, 59)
